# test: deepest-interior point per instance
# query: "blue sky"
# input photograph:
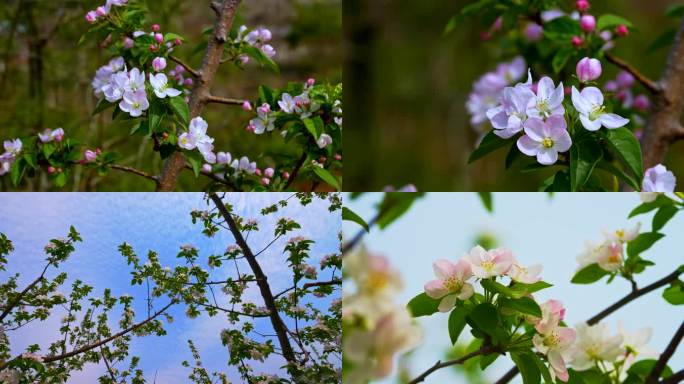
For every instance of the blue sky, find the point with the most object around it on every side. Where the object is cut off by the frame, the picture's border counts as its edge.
(538, 228)
(159, 222)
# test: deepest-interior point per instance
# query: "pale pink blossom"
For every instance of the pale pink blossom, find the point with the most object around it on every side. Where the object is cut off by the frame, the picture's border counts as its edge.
(486, 264)
(589, 104)
(450, 284)
(594, 343)
(545, 139)
(525, 275)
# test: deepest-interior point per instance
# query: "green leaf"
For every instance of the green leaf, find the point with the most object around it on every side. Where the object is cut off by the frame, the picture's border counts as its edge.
(675, 11)
(485, 318)
(49, 149)
(155, 115)
(60, 180)
(487, 360)
(626, 146)
(523, 305)
(665, 39)
(457, 321)
(327, 177)
(584, 155)
(674, 294)
(643, 368)
(543, 369)
(512, 156)
(606, 21)
(486, 198)
(349, 215)
(494, 287)
(17, 171)
(423, 305)
(195, 159)
(660, 201)
(528, 367)
(180, 108)
(612, 169)
(314, 127)
(261, 58)
(589, 274)
(521, 289)
(172, 37)
(30, 159)
(489, 143)
(561, 58)
(663, 215)
(562, 26)
(394, 205)
(102, 105)
(642, 242)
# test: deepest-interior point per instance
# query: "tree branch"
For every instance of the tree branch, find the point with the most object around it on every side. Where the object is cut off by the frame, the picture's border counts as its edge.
(612, 308)
(651, 85)
(439, 365)
(225, 12)
(12, 304)
(135, 171)
(188, 68)
(675, 378)
(295, 171)
(665, 356)
(311, 285)
(224, 100)
(277, 322)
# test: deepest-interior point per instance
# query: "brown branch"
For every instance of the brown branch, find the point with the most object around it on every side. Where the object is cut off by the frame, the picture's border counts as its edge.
(664, 126)
(224, 100)
(12, 304)
(109, 368)
(215, 178)
(651, 85)
(439, 364)
(295, 171)
(188, 68)
(311, 285)
(135, 171)
(675, 378)
(225, 12)
(86, 348)
(665, 356)
(612, 308)
(276, 321)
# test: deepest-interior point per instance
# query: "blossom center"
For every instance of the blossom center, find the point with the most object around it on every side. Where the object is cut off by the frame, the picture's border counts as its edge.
(543, 106)
(596, 111)
(547, 142)
(136, 105)
(551, 340)
(377, 281)
(453, 284)
(620, 233)
(488, 265)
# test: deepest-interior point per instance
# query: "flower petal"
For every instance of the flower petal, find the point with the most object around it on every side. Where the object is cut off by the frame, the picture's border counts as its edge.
(580, 104)
(547, 156)
(528, 146)
(443, 268)
(590, 125)
(611, 120)
(534, 128)
(447, 303)
(435, 289)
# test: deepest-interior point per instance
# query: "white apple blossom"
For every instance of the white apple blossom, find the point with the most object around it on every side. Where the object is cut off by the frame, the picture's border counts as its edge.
(324, 140)
(589, 104)
(658, 179)
(594, 343)
(547, 101)
(486, 264)
(544, 139)
(134, 102)
(507, 118)
(161, 86)
(114, 89)
(623, 235)
(635, 345)
(525, 275)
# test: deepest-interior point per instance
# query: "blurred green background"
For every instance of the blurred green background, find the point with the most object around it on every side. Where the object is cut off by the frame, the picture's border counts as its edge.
(406, 87)
(45, 77)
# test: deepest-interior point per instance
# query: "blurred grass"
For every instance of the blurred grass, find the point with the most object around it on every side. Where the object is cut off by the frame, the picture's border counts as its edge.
(407, 86)
(306, 36)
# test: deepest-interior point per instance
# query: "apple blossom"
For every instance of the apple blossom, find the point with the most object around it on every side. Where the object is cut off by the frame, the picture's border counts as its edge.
(244, 165)
(118, 3)
(6, 161)
(587, 23)
(206, 167)
(91, 17)
(114, 89)
(324, 140)
(507, 118)
(134, 102)
(588, 69)
(49, 135)
(13, 147)
(100, 11)
(555, 342)
(623, 235)
(658, 179)
(635, 345)
(486, 264)
(582, 5)
(304, 106)
(594, 343)
(155, 28)
(197, 137)
(263, 122)
(161, 86)
(544, 139)
(286, 103)
(159, 63)
(589, 104)
(136, 80)
(450, 284)
(223, 157)
(610, 256)
(286, 175)
(265, 181)
(548, 100)
(159, 38)
(553, 312)
(525, 275)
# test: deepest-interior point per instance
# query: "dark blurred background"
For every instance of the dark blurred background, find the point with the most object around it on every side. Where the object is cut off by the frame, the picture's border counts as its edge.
(45, 77)
(406, 87)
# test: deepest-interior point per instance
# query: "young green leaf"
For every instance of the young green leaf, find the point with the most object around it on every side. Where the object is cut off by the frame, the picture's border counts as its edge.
(528, 367)
(327, 177)
(180, 108)
(423, 305)
(627, 148)
(643, 242)
(662, 216)
(584, 155)
(606, 21)
(589, 274)
(489, 143)
(660, 201)
(674, 294)
(457, 321)
(349, 215)
(524, 305)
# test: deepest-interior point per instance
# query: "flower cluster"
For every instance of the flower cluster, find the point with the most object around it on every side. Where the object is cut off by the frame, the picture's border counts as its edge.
(257, 38)
(12, 150)
(375, 328)
(301, 105)
(49, 135)
(103, 10)
(608, 253)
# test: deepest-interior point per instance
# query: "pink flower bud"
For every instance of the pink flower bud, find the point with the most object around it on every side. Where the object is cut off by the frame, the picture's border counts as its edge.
(265, 181)
(498, 23)
(179, 69)
(310, 82)
(51, 170)
(159, 38)
(567, 90)
(100, 11)
(621, 30)
(155, 28)
(250, 127)
(611, 86)
(89, 156)
(91, 17)
(158, 64)
(257, 172)
(188, 82)
(641, 102)
(533, 32)
(178, 42)
(588, 69)
(338, 157)
(577, 41)
(588, 23)
(268, 172)
(98, 151)
(625, 79)
(206, 167)
(264, 109)
(153, 48)
(128, 43)
(286, 175)
(582, 5)
(246, 106)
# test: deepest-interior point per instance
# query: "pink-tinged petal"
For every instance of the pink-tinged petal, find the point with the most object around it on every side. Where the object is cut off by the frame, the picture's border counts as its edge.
(545, 88)
(528, 146)
(443, 268)
(538, 341)
(566, 336)
(462, 270)
(447, 303)
(592, 95)
(611, 120)
(480, 272)
(590, 125)
(547, 156)
(466, 291)
(557, 121)
(561, 139)
(503, 259)
(580, 104)
(534, 128)
(493, 112)
(499, 120)
(559, 110)
(507, 133)
(558, 364)
(535, 270)
(520, 97)
(556, 97)
(476, 255)
(435, 289)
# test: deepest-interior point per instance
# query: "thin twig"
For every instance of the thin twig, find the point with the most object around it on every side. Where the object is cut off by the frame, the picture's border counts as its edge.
(188, 68)
(651, 85)
(11, 304)
(295, 171)
(612, 308)
(665, 356)
(439, 365)
(224, 100)
(675, 378)
(126, 168)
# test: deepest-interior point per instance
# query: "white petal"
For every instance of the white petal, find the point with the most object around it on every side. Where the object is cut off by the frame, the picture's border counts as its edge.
(590, 125)
(611, 120)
